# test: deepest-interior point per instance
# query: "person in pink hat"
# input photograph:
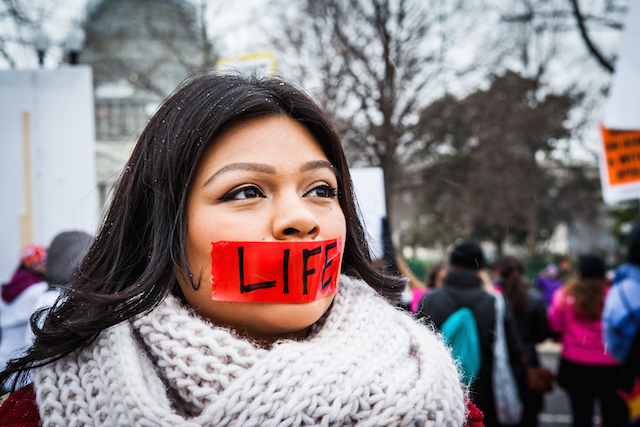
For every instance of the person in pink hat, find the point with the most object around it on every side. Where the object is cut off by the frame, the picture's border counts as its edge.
(18, 296)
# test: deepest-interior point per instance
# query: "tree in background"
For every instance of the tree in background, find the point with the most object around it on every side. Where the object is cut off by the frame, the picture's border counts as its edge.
(551, 39)
(489, 172)
(593, 20)
(611, 7)
(19, 22)
(373, 64)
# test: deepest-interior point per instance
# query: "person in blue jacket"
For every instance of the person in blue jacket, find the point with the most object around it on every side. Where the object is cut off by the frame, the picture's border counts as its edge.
(621, 315)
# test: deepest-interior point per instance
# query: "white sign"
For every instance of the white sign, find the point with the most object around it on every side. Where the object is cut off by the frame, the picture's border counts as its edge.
(620, 150)
(368, 185)
(623, 104)
(47, 165)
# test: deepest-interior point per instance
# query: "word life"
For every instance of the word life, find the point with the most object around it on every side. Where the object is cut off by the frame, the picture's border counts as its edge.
(290, 272)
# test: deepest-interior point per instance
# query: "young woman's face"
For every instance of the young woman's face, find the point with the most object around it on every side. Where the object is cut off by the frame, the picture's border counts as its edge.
(264, 179)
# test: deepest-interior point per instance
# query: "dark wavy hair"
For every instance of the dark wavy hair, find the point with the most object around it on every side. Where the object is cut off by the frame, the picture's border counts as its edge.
(514, 287)
(434, 271)
(141, 246)
(589, 288)
(588, 294)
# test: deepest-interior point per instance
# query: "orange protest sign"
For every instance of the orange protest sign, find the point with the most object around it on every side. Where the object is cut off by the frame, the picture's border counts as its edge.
(622, 155)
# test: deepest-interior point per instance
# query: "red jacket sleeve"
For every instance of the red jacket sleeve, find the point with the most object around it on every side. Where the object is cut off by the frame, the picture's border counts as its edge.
(20, 409)
(475, 417)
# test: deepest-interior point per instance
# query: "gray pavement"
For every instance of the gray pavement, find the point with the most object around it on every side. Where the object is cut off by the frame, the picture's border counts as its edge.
(557, 408)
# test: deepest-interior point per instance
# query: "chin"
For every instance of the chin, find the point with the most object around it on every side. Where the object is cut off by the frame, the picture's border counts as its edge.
(282, 320)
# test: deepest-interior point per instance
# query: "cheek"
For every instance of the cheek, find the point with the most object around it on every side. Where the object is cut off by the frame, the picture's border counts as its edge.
(343, 233)
(199, 238)
(334, 224)
(199, 251)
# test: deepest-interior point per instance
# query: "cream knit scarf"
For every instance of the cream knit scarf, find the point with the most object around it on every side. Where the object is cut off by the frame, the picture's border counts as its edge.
(368, 365)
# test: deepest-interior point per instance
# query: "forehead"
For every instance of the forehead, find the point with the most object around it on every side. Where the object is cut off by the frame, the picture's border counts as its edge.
(271, 139)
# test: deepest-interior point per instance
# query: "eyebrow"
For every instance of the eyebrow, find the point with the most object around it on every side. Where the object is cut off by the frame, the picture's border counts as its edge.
(264, 168)
(257, 167)
(318, 164)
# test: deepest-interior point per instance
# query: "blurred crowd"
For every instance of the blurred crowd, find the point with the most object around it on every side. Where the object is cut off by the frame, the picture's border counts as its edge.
(590, 312)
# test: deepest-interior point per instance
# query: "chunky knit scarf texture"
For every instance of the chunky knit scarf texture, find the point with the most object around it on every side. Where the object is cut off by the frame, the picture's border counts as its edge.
(367, 365)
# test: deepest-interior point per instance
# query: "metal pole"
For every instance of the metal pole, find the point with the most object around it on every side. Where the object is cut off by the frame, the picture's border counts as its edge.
(26, 218)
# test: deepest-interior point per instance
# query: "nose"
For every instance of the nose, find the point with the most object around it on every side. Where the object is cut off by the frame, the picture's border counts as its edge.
(293, 220)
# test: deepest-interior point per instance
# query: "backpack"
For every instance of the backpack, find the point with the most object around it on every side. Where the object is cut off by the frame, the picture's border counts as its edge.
(460, 332)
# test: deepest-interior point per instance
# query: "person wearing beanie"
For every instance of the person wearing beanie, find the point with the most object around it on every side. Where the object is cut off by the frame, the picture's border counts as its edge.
(591, 266)
(464, 287)
(56, 266)
(65, 253)
(587, 370)
(18, 297)
(30, 271)
(621, 316)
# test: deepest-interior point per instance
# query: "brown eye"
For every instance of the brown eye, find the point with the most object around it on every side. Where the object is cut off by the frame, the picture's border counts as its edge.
(243, 193)
(324, 191)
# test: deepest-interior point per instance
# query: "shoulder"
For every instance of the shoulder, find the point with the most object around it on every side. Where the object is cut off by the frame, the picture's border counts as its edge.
(20, 409)
(432, 295)
(627, 274)
(34, 291)
(28, 299)
(618, 298)
(535, 303)
(559, 297)
(622, 302)
(436, 301)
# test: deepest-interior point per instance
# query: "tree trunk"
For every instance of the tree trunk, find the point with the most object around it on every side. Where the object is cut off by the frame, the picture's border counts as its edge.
(389, 171)
(499, 242)
(532, 228)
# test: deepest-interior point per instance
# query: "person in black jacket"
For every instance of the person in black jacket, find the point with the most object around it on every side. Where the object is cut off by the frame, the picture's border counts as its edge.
(531, 317)
(463, 287)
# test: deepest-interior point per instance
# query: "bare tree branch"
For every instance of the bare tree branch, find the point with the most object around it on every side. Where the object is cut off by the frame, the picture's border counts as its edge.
(587, 40)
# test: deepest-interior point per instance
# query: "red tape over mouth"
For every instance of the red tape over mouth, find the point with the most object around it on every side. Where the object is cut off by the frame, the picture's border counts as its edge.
(289, 272)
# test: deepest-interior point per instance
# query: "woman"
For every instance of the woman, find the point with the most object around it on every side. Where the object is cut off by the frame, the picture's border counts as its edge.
(18, 300)
(242, 183)
(587, 370)
(530, 314)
